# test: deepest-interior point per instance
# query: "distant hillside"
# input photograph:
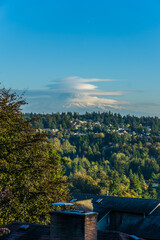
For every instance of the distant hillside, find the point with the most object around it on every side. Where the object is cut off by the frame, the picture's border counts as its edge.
(106, 152)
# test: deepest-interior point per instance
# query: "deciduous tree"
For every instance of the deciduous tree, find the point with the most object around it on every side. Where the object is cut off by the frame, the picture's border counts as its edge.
(30, 169)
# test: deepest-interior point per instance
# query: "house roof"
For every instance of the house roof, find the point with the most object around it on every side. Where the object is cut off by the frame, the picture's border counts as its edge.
(123, 204)
(42, 232)
(147, 227)
(114, 235)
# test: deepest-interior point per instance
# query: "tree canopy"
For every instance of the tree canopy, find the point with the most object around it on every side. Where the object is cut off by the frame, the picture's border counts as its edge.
(30, 169)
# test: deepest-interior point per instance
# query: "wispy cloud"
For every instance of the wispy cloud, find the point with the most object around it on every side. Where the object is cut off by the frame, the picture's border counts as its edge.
(110, 93)
(76, 83)
(76, 94)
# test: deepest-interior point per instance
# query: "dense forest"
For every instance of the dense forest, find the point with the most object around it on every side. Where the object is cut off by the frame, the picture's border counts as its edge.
(106, 153)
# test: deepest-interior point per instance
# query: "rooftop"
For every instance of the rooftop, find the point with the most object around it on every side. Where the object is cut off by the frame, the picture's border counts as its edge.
(103, 204)
(42, 232)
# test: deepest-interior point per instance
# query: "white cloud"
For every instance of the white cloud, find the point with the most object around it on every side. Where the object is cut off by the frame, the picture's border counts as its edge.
(79, 92)
(109, 93)
(76, 94)
(75, 83)
(79, 79)
(84, 101)
(82, 86)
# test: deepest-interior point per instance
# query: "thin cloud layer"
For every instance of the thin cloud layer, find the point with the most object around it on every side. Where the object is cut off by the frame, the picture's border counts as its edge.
(75, 83)
(75, 94)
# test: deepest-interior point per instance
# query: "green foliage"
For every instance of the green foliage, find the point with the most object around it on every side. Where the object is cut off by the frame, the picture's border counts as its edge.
(111, 145)
(84, 183)
(30, 169)
(67, 148)
(115, 187)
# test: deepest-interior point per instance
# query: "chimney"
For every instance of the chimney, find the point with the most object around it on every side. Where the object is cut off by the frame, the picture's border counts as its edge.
(73, 225)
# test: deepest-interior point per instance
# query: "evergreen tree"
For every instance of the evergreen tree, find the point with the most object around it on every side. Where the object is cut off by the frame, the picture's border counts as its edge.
(152, 192)
(115, 186)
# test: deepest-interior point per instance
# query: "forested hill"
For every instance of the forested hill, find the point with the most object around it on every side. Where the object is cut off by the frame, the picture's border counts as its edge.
(65, 120)
(105, 152)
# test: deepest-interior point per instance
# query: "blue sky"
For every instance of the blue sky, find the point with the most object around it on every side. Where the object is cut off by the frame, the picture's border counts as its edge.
(82, 55)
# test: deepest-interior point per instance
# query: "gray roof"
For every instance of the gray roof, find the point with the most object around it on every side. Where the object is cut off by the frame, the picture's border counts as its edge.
(148, 228)
(122, 204)
(114, 235)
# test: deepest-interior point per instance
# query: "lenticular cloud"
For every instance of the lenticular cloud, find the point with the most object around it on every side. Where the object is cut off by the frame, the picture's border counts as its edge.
(76, 83)
(76, 94)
